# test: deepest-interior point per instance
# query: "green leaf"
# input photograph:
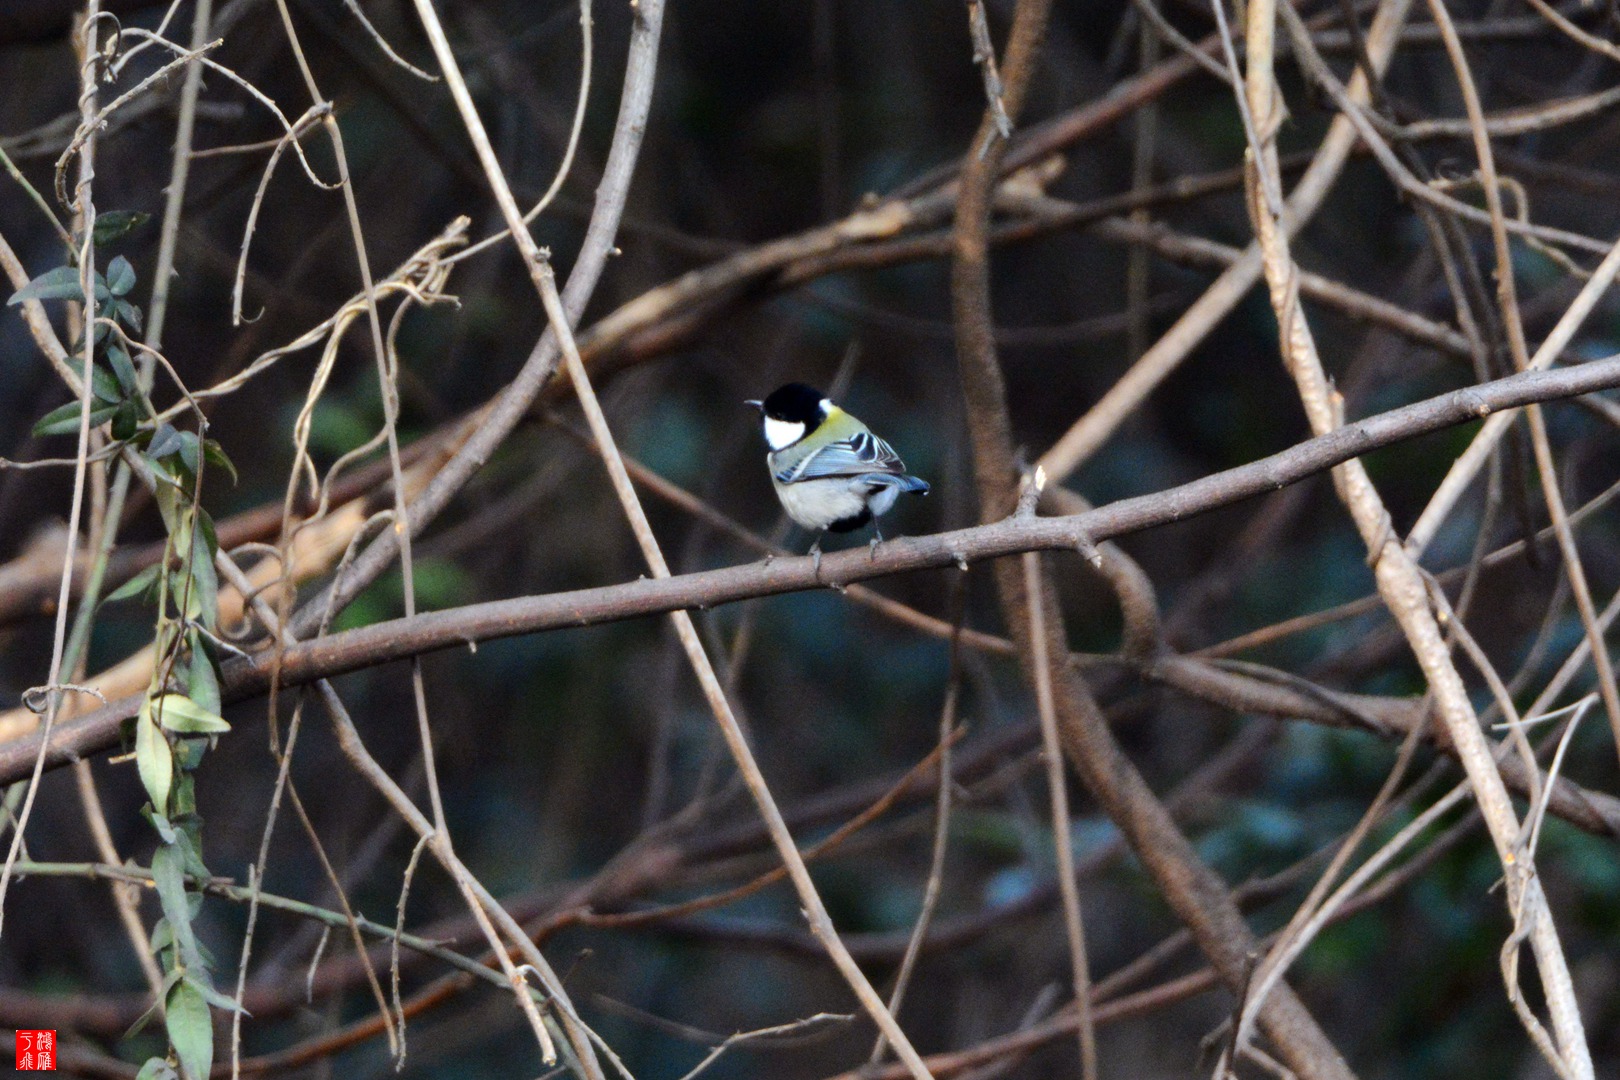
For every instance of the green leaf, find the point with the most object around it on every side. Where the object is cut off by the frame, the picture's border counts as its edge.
(188, 754)
(183, 800)
(156, 1068)
(140, 1024)
(206, 577)
(203, 955)
(120, 276)
(165, 441)
(61, 283)
(161, 824)
(205, 526)
(123, 368)
(214, 454)
(221, 1001)
(104, 386)
(115, 223)
(162, 936)
(168, 501)
(190, 1029)
(180, 714)
(126, 420)
(190, 452)
(126, 313)
(199, 586)
(204, 982)
(59, 421)
(153, 758)
(164, 939)
(202, 683)
(152, 1010)
(135, 585)
(65, 421)
(193, 864)
(168, 874)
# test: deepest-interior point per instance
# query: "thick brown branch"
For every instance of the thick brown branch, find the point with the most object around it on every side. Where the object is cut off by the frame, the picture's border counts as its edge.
(430, 631)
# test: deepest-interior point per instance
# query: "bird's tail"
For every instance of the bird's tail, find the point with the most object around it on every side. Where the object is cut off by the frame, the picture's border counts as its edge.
(912, 483)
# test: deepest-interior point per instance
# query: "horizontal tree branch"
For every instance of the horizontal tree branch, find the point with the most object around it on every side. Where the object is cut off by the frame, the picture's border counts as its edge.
(397, 639)
(679, 310)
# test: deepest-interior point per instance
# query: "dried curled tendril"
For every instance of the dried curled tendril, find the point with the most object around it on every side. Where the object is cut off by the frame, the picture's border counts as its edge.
(36, 699)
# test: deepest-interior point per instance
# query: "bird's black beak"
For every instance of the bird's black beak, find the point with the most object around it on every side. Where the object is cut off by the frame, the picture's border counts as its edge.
(760, 405)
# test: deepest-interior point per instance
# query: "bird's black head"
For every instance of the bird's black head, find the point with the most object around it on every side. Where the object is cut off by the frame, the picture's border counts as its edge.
(795, 403)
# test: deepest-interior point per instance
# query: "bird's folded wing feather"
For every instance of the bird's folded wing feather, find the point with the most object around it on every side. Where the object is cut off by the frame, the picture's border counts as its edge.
(861, 453)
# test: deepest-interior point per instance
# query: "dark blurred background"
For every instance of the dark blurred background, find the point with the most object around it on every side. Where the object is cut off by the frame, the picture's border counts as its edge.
(558, 750)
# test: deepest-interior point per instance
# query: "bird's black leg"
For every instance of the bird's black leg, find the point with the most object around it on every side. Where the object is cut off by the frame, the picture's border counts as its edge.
(877, 538)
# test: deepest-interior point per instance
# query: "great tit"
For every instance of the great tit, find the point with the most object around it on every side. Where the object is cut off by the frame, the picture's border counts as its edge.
(830, 471)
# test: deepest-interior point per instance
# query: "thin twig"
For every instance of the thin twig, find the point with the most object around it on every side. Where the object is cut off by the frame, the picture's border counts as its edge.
(942, 817)
(1507, 293)
(1088, 434)
(509, 408)
(1394, 570)
(1062, 840)
(984, 55)
(85, 212)
(815, 910)
(242, 894)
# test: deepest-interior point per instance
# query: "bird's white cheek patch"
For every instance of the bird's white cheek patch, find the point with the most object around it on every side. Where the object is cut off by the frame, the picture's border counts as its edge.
(782, 433)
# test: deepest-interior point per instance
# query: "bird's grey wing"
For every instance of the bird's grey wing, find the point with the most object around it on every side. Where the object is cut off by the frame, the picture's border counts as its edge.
(857, 455)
